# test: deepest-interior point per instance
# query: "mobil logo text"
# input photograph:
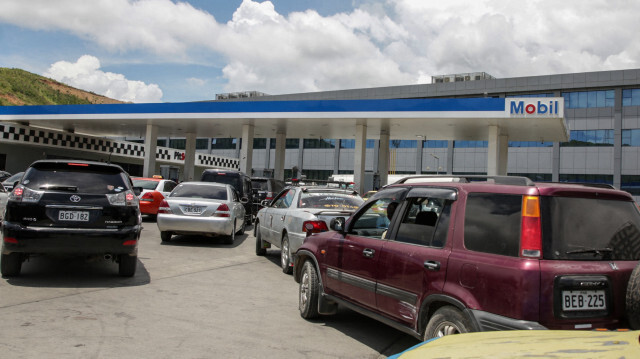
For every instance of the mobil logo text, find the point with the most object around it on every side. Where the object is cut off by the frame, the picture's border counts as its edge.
(521, 107)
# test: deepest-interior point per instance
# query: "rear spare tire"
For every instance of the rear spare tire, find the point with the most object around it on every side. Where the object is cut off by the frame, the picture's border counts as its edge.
(633, 299)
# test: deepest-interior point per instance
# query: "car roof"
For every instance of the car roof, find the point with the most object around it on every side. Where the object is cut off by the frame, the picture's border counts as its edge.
(79, 162)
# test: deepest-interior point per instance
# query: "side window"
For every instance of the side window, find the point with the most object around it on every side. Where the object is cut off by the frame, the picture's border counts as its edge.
(375, 220)
(169, 186)
(422, 219)
(285, 199)
(492, 223)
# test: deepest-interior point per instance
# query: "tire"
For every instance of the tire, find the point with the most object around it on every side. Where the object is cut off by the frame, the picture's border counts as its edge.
(446, 321)
(127, 265)
(285, 255)
(11, 264)
(260, 250)
(633, 299)
(241, 231)
(165, 236)
(308, 292)
(232, 237)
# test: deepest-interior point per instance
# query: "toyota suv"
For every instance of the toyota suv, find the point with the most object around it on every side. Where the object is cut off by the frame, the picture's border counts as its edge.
(465, 254)
(72, 208)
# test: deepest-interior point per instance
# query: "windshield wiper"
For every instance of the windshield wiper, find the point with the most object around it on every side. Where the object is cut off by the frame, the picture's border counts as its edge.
(61, 188)
(597, 251)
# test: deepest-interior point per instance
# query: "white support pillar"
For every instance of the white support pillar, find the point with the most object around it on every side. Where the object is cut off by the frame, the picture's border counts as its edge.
(497, 152)
(360, 157)
(189, 157)
(246, 151)
(278, 166)
(150, 145)
(383, 158)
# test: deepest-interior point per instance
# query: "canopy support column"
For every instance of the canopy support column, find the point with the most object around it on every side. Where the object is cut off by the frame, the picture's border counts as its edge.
(189, 157)
(278, 166)
(497, 152)
(246, 150)
(383, 158)
(359, 160)
(150, 145)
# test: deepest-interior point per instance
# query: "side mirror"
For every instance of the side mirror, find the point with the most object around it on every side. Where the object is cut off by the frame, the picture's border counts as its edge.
(137, 190)
(265, 203)
(244, 200)
(337, 224)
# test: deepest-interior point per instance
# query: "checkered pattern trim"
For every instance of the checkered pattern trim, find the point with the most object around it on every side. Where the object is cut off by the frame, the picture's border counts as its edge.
(51, 138)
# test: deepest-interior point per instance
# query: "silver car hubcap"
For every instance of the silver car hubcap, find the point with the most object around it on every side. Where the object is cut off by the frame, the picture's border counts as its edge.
(284, 254)
(304, 290)
(446, 328)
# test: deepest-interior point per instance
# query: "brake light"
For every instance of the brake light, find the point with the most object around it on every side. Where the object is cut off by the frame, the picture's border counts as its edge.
(164, 207)
(78, 164)
(126, 198)
(314, 226)
(10, 240)
(23, 194)
(147, 197)
(531, 231)
(222, 211)
(269, 196)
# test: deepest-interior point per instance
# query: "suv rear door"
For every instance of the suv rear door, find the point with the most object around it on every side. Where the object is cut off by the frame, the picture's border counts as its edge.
(413, 263)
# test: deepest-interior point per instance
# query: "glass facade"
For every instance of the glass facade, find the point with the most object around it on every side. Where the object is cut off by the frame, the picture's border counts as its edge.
(224, 143)
(631, 97)
(403, 144)
(631, 184)
(319, 143)
(470, 144)
(631, 137)
(586, 178)
(530, 144)
(435, 144)
(589, 138)
(589, 99)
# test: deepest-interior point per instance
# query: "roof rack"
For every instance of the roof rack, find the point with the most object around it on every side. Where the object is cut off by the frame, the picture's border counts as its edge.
(506, 180)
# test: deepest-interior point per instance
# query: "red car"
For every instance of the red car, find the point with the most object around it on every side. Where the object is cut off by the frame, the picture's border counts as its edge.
(153, 192)
(472, 253)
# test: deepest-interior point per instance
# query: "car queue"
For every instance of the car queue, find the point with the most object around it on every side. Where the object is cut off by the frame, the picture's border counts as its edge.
(511, 246)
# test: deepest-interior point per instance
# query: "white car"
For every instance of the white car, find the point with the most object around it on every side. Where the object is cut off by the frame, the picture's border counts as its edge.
(202, 208)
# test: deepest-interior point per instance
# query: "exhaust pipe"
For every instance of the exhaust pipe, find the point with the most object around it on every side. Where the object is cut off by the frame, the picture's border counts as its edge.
(108, 257)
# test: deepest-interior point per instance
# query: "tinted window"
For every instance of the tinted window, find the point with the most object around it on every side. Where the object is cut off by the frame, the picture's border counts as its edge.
(197, 191)
(79, 179)
(145, 184)
(421, 218)
(373, 220)
(233, 180)
(492, 223)
(260, 185)
(336, 201)
(590, 229)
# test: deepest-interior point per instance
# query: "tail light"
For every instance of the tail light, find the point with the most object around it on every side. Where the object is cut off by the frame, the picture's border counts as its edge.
(147, 197)
(531, 232)
(126, 198)
(23, 194)
(222, 211)
(314, 226)
(164, 207)
(269, 196)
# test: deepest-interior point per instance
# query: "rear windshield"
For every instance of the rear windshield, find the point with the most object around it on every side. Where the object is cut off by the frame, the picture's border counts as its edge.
(260, 185)
(234, 181)
(196, 191)
(330, 201)
(590, 229)
(145, 184)
(99, 180)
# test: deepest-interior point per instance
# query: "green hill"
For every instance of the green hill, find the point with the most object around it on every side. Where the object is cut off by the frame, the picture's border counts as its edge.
(20, 88)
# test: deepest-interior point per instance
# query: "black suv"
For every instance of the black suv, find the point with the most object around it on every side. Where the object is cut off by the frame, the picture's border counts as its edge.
(239, 181)
(67, 207)
(265, 189)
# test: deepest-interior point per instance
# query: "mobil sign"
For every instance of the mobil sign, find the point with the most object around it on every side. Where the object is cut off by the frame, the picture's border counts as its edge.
(535, 107)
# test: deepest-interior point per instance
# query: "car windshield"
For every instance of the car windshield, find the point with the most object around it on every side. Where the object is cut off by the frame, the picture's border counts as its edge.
(76, 179)
(590, 229)
(330, 201)
(198, 191)
(145, 184)
(234, 181)
(260, 185)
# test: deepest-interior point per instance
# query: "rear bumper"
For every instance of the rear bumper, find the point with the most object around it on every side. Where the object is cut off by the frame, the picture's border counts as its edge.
(195, 224)
(46, 240)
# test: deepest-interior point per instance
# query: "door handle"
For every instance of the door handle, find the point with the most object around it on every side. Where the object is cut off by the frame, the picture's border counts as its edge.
(368, 253)
(432, 265)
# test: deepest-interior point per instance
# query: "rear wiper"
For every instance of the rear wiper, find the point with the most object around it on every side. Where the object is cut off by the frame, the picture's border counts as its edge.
(61, 188)
(597, 251)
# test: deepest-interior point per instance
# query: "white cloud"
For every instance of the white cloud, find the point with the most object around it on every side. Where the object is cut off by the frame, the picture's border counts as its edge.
(196, 82)
(381, 43)
(86, 74)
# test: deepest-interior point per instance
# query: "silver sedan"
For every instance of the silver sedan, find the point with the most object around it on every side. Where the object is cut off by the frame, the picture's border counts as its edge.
(202, 208)
(282, 222)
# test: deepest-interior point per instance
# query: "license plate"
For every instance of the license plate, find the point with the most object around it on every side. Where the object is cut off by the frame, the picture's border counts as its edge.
(78, 216)
(192, 210)
(583, 300)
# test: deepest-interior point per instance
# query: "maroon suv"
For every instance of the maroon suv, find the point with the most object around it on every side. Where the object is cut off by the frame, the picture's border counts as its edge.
(472, 253)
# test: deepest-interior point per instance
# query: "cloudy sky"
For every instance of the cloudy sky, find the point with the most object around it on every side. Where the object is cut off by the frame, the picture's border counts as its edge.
(175, 51)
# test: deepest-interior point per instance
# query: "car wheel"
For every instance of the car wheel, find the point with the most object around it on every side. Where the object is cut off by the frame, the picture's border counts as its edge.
(260, 250)
(165, 236)
(285, 255)
(308, 291)
(11, 264)
(633, 299)
(446, 321)
(242, 227)
(232, 237)
(127, 265)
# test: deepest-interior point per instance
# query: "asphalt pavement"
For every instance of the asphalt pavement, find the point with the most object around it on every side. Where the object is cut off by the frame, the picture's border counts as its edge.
(194, 297)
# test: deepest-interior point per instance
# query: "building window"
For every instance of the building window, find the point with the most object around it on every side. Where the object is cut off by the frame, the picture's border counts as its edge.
(319, 143)
(179, 144)
(202, 143)
(534, 95)
(631, 97)
(631, 138)
(530, 144)
(259, 143)
(435, 144)
(470, 144)
(292, 143)
(589, 138)
(586, 178)
(588, 99)
(403, 144)
(224, 143)
(631, 184)
(351, 143)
